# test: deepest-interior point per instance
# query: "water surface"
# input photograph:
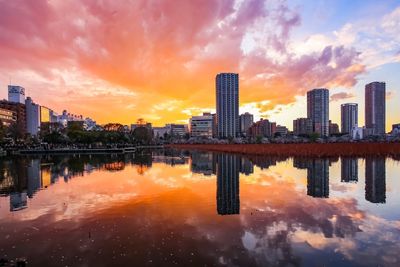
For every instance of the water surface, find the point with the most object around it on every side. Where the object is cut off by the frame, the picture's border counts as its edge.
(175, 208)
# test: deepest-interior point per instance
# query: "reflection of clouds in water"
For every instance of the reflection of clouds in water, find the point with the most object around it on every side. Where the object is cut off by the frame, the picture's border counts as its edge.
(278, 225)
(336, 224)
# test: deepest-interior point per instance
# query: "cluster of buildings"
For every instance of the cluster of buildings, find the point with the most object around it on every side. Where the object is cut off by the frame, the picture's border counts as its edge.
(31, 117)
(317, 120)
(227, 123)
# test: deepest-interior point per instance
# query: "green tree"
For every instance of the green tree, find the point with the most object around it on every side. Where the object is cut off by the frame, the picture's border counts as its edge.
(54, 138)
(313, 137)
(142, 135)
(3, 131)
(16, 131)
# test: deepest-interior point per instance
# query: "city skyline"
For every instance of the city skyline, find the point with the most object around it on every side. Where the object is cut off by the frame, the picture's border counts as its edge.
(231, 123)
(167, 76)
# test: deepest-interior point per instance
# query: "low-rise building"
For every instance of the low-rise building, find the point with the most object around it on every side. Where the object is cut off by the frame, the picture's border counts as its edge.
(160, 132)
(302, 126)
(281, 130)
(202, 126)
(177, 130)
(19, 110)
(333, 128)
(262, 128)
(7, 117)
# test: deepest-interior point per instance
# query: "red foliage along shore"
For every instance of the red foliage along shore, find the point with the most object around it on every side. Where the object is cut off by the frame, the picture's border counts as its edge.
(305, 149)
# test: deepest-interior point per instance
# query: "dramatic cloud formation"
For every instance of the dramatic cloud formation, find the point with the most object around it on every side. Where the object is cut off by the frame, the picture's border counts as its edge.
(155, 59)
(340, 96)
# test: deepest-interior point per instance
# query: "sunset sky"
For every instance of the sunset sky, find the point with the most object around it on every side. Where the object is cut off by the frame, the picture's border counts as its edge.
(117, 61)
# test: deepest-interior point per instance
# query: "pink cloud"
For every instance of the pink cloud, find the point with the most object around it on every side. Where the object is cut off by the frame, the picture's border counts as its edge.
(156, 47)
(341, 96)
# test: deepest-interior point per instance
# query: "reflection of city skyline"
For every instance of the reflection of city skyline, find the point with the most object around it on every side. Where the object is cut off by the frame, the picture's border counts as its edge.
(21, 178)
(228, 195)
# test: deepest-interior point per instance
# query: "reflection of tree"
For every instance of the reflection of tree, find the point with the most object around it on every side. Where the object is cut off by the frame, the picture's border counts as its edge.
(143, 161)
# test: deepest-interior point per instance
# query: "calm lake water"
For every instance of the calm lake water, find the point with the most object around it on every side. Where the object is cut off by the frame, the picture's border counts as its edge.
(175, 208)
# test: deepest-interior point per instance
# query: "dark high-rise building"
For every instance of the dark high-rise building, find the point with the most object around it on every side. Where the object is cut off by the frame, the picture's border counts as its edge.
(228, 199)
(227, 90)
(318, 178)
(349, 115)
(246, 120)
(375, 180)
(349, 170)
(318, 110)
(375, 107)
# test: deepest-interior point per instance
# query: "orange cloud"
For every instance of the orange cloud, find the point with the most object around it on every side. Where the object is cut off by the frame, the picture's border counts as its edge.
(162, 52)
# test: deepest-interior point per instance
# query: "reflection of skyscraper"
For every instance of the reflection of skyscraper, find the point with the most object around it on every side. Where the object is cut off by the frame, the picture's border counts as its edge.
(349, 170)
(228, 199)
(318, 178)
(375, 180)
(34, 179)
(246, 166)
(18, 201)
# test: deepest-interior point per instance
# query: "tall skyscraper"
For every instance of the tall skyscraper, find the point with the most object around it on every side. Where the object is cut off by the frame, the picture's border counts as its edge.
(349, 114)
(318, 110)
(375, 107)
(16, 94)
(246, 120)
(227, 90)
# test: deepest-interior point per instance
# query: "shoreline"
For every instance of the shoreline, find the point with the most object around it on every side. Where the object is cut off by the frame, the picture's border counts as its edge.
(62, 151)
(300, 149)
